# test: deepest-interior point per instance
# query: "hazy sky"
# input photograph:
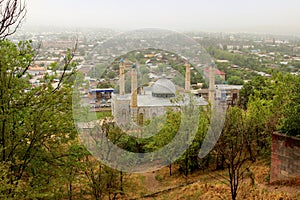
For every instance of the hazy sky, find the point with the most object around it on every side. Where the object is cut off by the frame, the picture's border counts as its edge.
(276, 16)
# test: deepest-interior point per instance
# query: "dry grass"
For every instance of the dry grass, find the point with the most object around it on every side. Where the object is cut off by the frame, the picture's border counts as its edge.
(206, 187)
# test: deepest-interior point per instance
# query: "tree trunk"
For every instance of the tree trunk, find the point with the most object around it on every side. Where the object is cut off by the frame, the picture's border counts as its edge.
(121, 181)
(70, 191)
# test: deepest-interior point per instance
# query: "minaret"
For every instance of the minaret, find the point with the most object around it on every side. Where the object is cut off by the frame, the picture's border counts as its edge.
(133, 92)
(122, 77)
(212, 88)
(187, 77)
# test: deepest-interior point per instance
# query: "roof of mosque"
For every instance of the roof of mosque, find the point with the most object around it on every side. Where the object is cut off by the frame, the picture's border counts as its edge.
(163, 86)
(147, 100)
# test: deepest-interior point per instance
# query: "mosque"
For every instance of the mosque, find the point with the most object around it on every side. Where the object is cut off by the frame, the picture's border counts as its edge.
(147, 102)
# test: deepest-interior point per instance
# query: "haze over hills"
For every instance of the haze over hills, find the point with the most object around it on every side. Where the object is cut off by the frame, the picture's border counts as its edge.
(277, 17)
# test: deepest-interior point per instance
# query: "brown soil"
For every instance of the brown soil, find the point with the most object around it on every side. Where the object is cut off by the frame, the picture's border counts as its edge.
(209, 185)
(151, 183)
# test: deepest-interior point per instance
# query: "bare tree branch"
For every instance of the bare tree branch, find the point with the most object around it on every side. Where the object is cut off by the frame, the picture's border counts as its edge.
(12, 13)
(68, 59)
(35, 55)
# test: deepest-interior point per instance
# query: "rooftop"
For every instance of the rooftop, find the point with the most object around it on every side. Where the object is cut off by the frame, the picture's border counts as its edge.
(164, 86)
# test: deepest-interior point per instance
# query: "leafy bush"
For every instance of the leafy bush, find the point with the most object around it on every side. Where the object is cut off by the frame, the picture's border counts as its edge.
(290, 123)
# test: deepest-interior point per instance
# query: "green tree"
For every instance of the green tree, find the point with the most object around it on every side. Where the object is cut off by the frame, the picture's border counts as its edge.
(232, 145)
(189, 161)
(235, 80)
(282, 93)
(258, 123)
(257, 84)
(287, 103)
(167, 132)
(111, 74)
(101, 180)
(104, 85)
(35, 123)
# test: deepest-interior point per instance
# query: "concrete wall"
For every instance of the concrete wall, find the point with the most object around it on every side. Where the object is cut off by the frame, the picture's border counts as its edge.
(285, 157)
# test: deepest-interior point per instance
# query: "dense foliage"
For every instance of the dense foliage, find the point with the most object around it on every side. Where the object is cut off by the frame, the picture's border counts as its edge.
(40, 156)
(281, 93)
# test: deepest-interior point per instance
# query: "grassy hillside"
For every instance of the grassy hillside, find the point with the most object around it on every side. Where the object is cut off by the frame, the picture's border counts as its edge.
(207, 185)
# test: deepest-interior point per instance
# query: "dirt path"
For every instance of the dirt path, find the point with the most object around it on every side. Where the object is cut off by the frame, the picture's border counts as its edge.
(151, 183)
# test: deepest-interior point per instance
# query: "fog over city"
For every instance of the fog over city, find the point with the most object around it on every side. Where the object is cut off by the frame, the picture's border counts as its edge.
(268, 16)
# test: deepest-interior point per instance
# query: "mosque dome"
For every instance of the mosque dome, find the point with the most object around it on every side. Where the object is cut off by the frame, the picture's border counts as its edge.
(163, 88)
